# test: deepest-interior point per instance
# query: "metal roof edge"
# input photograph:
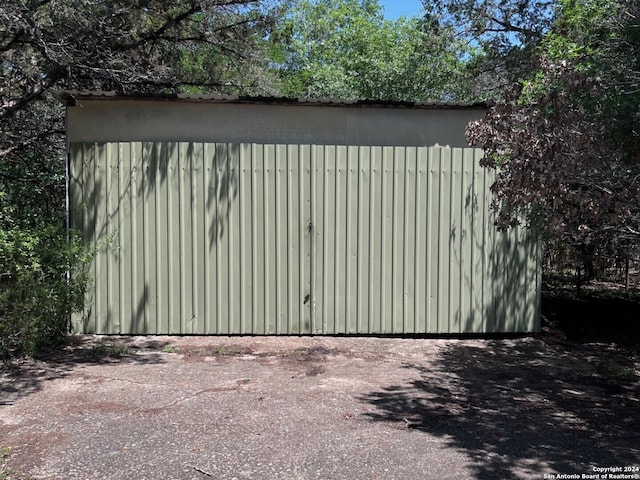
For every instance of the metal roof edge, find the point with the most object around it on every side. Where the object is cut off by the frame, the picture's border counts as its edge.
(69, 97)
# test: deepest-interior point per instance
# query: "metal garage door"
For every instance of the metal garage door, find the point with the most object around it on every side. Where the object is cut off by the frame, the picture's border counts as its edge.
(201, 238)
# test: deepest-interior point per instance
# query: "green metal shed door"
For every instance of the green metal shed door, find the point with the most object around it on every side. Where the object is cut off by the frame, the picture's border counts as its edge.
(199, 238)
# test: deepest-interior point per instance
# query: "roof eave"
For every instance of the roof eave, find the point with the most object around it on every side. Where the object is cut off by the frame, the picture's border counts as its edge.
(70, 97)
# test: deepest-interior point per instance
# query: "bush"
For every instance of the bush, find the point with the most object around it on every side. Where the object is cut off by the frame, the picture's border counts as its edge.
(43, 273)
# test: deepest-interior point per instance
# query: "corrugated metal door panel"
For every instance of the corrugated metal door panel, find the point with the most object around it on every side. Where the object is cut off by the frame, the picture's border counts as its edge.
(305, 231)
(221, 219)
(466, 249)
(82, 218)
(456, 230)
(376, 221)
(135, 321)
(409, 324)
(182, 247)
(147, 247)
(233, 240)
(352, 207)
(477, 208)
(406, 246)
(288, 239)
(297, 233)
(101, 301)
(188, 252)
(198, 243)
(248, 175)
(317, 215)
(159, 214)
(327, 232)
(271, 252)
(317, 246)
(107, 172)
(397, 183)
(171, 320)
(430, 241)
(441, 241)
(421, 242)
(217, 183)
(263, 158)
(491, 262)
(385, 249)
(340, 229)
(364, 172)
(224, 247)
(210, 227)
(294, 295)
(282, 224)
(125, 254)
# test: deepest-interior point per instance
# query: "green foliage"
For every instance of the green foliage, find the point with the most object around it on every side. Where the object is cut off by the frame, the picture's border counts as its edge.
(109, 350)
(6, 472)
(347, 49)
(618, 371)
(503, 33)
(567, 136)
(37, 294)
(170, 349)
(599, 39)
(496, 25)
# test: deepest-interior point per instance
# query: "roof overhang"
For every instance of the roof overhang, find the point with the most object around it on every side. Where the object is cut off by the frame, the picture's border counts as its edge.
(70, 97)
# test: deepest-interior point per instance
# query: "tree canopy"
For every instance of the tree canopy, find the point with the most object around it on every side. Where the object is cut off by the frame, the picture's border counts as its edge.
(347, 49)
(564, 141)
(502, 36)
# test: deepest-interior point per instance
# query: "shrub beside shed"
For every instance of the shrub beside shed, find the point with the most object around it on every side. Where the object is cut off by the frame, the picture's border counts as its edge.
(226, 215)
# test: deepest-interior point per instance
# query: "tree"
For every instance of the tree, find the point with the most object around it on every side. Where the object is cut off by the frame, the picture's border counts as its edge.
(502, 35)
(499, 23)
(347, 49)
(564, 143)
(128, 46)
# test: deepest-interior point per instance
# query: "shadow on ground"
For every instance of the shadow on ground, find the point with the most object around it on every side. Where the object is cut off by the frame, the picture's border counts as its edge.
(21, 378)
(518, 409)
(594, 318)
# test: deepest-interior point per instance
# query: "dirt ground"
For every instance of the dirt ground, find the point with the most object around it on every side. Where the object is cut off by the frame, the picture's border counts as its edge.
(321, 408)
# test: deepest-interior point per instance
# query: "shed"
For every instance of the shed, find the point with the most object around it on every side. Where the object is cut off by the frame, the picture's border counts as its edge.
(235, 215)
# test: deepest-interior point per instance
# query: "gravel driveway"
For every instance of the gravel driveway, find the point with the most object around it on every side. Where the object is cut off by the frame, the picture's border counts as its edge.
(315, 408)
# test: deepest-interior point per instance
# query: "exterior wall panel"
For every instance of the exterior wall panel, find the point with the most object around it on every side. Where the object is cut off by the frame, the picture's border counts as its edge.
(219, 238)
